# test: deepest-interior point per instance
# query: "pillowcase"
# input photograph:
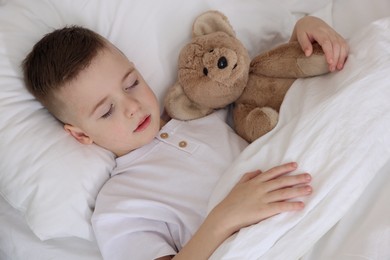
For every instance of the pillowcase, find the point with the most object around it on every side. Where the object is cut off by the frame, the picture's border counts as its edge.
(44, 173)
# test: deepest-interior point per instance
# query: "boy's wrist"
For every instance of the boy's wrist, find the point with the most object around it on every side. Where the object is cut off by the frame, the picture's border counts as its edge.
(207, 239)
(219, 224)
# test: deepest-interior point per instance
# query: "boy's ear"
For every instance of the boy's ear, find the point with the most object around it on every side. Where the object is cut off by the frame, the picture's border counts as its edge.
(78, 134)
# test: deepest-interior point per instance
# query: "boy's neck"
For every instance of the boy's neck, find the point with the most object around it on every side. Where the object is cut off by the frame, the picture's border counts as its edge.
(164, 118)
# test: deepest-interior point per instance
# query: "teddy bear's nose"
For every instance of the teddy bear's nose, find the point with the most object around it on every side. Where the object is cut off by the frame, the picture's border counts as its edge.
(222, 63)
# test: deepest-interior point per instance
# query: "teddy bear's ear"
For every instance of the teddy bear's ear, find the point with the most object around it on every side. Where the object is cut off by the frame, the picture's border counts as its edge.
(179, 106)
(212, 21)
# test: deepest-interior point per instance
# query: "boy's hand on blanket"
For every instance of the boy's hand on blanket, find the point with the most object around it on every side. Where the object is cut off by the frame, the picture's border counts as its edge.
(259, 196)
(256, 196)
(311, 29)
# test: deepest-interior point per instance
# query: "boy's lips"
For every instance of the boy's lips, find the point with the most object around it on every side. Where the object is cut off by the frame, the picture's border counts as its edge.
(143, 124)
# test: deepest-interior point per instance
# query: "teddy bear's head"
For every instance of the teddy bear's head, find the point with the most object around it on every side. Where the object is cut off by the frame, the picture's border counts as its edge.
(212, 69)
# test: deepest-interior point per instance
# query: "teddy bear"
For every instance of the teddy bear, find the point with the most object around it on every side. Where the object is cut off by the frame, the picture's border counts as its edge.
(215, 70)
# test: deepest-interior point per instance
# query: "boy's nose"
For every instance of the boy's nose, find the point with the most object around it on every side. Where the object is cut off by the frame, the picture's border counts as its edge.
(131, 107)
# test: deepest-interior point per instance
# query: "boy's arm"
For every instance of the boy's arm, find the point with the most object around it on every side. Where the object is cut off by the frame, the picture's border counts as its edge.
(311, 29)
(256, 197)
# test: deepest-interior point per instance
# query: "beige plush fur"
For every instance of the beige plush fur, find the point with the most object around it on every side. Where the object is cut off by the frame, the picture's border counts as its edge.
(215, 70)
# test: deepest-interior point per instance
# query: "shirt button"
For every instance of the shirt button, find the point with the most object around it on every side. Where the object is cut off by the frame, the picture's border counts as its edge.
(183, 144)
(164, 135)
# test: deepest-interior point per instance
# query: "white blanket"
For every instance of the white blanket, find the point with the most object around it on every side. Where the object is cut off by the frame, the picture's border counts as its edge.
(336, 128)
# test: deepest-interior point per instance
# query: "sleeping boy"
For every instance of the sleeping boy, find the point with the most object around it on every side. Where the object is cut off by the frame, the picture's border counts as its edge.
(154, 205)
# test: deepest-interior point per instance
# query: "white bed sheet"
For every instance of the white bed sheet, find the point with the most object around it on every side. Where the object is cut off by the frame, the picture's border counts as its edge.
(364, 228)
(335, 126)
(364, 231)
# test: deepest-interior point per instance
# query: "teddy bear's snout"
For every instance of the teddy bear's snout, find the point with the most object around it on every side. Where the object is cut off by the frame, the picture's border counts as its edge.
(219, 60)
(221, 64)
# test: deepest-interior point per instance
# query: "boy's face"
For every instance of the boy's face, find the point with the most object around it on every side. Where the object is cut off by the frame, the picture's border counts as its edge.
(110, 104)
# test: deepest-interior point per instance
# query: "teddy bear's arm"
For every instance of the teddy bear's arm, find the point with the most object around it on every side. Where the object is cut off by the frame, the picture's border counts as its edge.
(289, 61)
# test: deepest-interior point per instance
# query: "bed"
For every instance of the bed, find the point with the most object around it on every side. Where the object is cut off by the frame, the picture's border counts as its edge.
(336, 126)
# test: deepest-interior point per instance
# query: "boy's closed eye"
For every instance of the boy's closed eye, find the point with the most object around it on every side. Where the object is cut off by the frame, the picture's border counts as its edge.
(133, 84)
(108, 113)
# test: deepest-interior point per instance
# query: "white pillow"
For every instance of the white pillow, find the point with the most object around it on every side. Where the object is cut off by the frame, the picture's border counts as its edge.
(306, 7)
(45, 174)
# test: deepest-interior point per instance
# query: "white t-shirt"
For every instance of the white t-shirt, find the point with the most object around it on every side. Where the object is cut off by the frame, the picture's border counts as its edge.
(158, 194)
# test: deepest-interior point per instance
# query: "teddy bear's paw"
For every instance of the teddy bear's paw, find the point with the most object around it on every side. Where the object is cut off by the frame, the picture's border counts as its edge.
(313, 66)
(258, 122)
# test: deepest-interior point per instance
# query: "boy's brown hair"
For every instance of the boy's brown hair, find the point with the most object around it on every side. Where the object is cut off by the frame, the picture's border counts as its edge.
(56, 60)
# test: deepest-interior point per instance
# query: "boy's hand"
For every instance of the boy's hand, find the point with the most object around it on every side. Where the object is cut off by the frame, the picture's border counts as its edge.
(256, 196)
(259, 195)
(311, 29)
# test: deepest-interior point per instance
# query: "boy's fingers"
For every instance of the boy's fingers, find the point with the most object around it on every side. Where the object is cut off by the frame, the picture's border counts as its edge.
(277, 171)
(306, 44)
(343, 57)
(336, 56)
(287, 181)
(328, 51)
(285, 206)
(289, 193)
(249, 175)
